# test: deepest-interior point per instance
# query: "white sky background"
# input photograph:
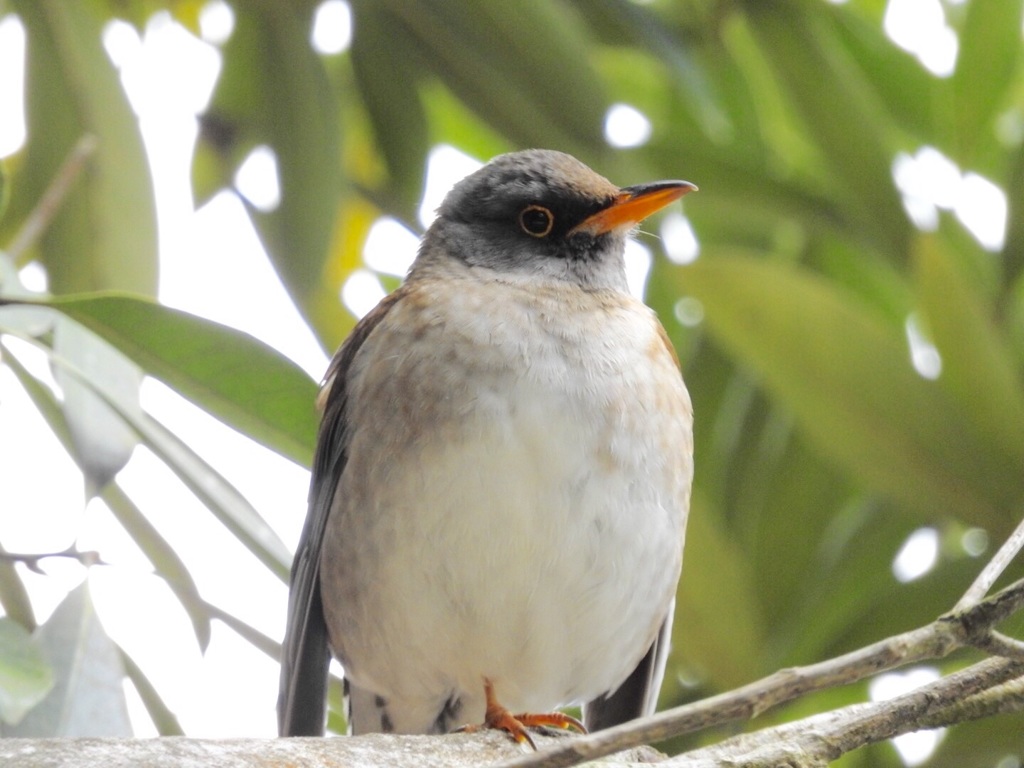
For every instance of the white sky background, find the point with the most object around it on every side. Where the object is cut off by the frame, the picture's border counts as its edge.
(169, 76)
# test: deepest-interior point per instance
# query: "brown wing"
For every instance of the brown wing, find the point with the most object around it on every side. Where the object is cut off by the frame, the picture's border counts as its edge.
(301, 703)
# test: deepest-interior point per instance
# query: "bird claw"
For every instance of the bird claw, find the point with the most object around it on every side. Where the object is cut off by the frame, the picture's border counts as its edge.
(499, 718)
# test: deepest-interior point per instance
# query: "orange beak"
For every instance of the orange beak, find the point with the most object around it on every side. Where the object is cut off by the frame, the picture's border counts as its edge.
(632, 205)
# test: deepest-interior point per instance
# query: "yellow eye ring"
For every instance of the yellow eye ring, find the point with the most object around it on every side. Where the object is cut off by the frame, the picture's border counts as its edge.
(536, 220)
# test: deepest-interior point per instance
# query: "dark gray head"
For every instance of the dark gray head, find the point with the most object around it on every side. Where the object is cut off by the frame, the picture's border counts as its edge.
(540, 212)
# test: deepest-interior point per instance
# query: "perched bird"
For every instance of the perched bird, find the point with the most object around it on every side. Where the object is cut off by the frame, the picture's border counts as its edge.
(502, 477)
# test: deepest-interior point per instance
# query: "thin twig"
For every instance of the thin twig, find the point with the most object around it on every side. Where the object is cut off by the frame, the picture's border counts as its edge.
(53, 198)
(1011, 547)
(31, 560)
(999, 644)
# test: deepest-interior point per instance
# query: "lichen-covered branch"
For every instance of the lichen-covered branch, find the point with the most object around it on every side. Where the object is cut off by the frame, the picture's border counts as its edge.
(972, 624)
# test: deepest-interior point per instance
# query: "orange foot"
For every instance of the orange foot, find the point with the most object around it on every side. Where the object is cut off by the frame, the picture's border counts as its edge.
(499, 718)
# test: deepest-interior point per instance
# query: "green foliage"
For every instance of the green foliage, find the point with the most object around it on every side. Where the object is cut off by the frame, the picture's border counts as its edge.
(25, 677)
(87, 698)
(233, 376)
(104, 234)
(274, 91)
(819, 446)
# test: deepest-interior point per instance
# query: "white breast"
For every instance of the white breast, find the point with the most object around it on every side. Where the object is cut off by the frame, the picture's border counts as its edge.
(514, 501)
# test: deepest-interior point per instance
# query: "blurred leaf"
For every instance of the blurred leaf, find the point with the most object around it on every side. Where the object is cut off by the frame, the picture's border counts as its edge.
(5, 189)
(783, 489)
(977, 367)
(723, 644)
(355, 217)
(848, 380)
(849, 571)
(994, 741)
(165, 560)
(452, 122)
(102, 442)
(638, 28)
(273, 91)
(138, 12)
(252, 635)
(905, 605)
(87, 698)
(104, 235)
(221, 497)
(13, 596)
(987, 57)
(388, 84)
(1012, 255)
(230, 374)
(852, 132)
(909, 92)
(773, 138)
(163, 718)
(336, 714)
(523, 67)
(211, 488)
(25, 677)
(875, 279)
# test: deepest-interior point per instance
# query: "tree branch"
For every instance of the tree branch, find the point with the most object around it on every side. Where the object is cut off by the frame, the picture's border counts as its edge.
(969, 626)
(816, 741)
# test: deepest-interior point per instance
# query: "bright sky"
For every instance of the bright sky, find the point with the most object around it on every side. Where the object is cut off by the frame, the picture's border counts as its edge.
(169, 75)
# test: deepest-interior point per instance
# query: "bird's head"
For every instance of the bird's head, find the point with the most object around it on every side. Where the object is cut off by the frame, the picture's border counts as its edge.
(544, 213)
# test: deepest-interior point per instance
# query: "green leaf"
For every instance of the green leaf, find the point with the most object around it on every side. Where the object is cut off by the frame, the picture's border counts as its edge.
(273, 90)
(104, 234)
(523, 67)
(13, 596)
(87, 698)
(5, 189)
(166, 562)
(101, 441)
(977, 366)
(848, 380)
(230, 374)
(987, 59)
(247, 632)
(388, 85)
(222, 499)
(786, 500)
(853, 133)
(716, 573)
(25, 677)
(1012, 256)
(898, 607)
(452, 122)
(848, 573)
(638, 29)
(982, 742)
(909, 92)
(156, 549)
(163, 718)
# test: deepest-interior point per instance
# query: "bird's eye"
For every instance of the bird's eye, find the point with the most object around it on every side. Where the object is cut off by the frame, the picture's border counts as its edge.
(536, 220)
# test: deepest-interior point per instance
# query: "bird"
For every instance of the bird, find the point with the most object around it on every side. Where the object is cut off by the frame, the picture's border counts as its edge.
(502, 475)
